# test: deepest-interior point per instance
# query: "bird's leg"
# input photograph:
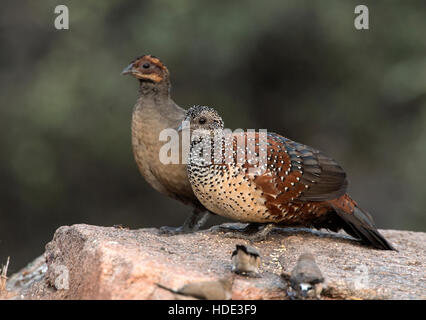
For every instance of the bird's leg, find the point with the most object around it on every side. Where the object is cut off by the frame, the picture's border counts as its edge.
(193, 223)
(251, 232)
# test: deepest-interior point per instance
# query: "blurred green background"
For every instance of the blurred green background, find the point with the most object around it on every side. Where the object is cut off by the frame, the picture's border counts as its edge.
(295, 67)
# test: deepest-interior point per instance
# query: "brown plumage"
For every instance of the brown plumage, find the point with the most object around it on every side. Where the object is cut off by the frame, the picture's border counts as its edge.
(154, 111)
(298, 186)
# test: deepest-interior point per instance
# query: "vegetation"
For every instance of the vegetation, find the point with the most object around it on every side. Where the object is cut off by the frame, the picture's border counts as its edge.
(299, 68)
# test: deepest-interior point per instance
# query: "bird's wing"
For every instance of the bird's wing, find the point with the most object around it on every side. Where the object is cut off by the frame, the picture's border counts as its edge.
(296, 172)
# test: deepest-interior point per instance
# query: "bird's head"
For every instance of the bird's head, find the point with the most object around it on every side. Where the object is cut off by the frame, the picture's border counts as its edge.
(147, 68)
(203, 118)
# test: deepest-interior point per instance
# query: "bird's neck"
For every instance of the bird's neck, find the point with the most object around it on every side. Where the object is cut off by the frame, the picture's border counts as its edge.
(202, 148)
(154, 101)
(149, 91)
(155, 111)
(204, 138)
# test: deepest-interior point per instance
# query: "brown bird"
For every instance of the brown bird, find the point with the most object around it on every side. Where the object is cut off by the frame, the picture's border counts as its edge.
(296, 186)
(220, 289)
(154, 111)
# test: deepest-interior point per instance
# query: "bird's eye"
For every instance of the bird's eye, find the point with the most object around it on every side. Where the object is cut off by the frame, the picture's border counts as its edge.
(146, 65)
(202, 120)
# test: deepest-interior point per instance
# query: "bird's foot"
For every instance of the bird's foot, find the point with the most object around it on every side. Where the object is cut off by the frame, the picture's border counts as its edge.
(251, 232)
(193, 223)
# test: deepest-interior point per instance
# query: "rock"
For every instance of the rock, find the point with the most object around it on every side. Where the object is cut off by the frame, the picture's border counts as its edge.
(90, 262)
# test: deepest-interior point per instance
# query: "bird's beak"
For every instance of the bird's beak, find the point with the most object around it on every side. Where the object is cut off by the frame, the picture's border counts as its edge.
(128, 69)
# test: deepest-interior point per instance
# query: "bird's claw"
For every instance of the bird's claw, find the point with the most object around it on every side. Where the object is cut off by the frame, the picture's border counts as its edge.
(250, 232)
(193, 223)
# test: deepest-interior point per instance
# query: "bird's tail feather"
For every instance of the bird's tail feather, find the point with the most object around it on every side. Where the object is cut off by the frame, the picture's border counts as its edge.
(360, 225)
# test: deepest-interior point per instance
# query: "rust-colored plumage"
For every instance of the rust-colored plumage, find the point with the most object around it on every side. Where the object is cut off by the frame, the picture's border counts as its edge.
(297, 186)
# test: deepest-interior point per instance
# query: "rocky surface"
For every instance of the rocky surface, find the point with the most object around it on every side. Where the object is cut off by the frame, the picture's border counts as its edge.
(90, 262)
